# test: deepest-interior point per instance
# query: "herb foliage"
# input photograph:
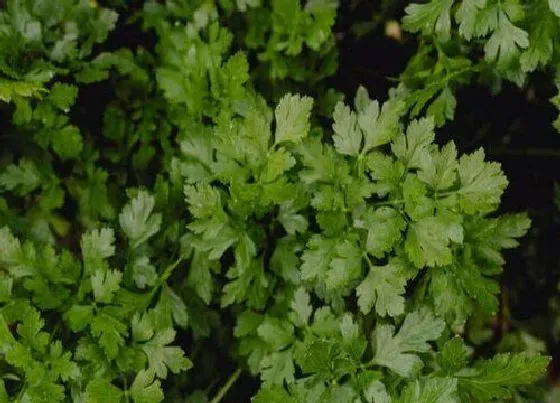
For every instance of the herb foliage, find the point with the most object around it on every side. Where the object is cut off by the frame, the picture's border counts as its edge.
(332, 251)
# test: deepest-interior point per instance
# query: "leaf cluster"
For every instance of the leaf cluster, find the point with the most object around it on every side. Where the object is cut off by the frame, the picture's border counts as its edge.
(331, 254)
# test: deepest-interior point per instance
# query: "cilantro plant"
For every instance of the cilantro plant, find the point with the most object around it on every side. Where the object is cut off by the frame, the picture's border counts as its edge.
(290, 40)
(492, 41)
(358, 220)
(195, 233)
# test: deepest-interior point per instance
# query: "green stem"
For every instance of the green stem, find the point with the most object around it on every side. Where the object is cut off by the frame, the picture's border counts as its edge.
(224, 389)
(21, 392)
(169, 270)
(370, 263)
(163, 278)
(126, 398)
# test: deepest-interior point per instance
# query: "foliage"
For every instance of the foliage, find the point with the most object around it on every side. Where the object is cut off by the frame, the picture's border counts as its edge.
(331, 254)
(487, 39)
(289, 40)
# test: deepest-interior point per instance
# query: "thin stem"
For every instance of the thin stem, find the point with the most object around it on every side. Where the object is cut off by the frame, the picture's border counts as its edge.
(163, 278)
(126, 398)
(224, 389)
(21, 392)
(370, 263)
(169, 270)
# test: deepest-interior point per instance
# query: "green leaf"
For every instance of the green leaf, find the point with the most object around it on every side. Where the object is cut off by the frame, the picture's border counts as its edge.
(143, 272)
(489, 236)
(380, 127)
(482, 289)
(301, 306)
(384, 227)
(347, 136)
(454, 356)
(110, 332)
(277, 368)
(504, 44)
(175, 305)
(449, 298)
(211, 221)
(482, 183)
(20, 261)
(438, 169)
(467, 16)
(429, 241)
(101, 391)
(383, 287)
(373, 389)
(394, 350)
(324, 15)
(30, 330)
(162, 357)
(203, 200)
(61, 365)
(353, 340)
(98, 244)
(6, 288)
(277, 163)
(63, 96)
(292, 221)
(411, 149)
(554, 6)
(417, 203)
(198, 148)
(79, 316)
(317, 257)
(137, 220)
(21, 179)
(432, 390)
(345, 267)
(274, 394)
(44, 391)
(324, 322)
(369, 126)
(276, 333)
(292, 118)
(247, 323)
(496, 378)
(142, 327)
(11, 90)
(145, 389)
(322, 358)
(541, 40)
(67, 142)
(105, 284)
(429, 18)
(200, 277)
(385, 172)
(443, 107)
